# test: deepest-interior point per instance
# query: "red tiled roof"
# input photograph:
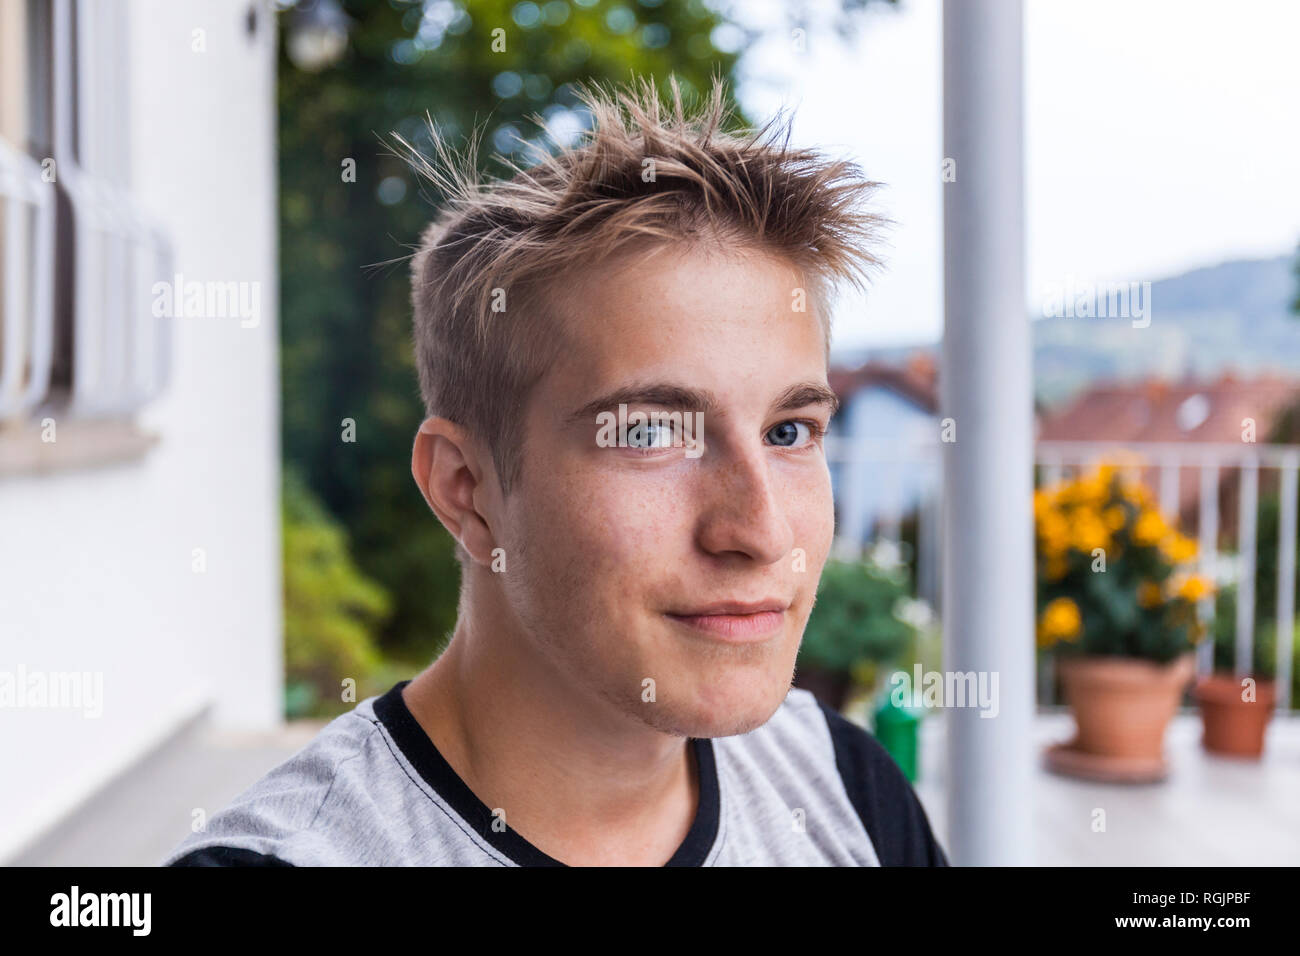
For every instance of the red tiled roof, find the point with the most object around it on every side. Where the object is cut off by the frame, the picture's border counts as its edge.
(1185, 411)
(1189, 412)
(916, 380)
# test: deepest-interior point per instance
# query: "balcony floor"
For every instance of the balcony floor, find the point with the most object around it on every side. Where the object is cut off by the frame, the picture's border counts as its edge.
(1211, 811)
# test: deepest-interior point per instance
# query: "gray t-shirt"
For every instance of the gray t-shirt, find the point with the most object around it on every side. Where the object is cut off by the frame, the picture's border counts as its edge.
(808, 788)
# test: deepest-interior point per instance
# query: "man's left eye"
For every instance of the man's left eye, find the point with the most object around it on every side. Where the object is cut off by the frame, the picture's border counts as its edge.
(790, 434)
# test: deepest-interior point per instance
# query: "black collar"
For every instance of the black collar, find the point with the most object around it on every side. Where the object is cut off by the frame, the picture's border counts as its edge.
(415, 744)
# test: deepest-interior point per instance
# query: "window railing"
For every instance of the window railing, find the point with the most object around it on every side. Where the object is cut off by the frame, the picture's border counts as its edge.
(27, 342)
(79, 258)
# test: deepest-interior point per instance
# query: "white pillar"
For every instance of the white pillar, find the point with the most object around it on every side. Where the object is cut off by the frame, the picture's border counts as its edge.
(988, 471)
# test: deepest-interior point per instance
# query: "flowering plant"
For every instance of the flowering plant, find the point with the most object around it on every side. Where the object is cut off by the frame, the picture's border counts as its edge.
(862, 616)
(1114, 578)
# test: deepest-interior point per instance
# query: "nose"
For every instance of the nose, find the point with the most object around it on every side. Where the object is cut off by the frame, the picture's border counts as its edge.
(745, 514)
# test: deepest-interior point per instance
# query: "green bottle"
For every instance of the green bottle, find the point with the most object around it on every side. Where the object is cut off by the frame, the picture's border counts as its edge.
(896, 729)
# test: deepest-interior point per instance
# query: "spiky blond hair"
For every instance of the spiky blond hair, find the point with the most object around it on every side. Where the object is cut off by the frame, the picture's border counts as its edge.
(647, 172)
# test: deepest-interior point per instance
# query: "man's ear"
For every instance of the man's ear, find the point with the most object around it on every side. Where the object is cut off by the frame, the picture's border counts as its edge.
(449, 470)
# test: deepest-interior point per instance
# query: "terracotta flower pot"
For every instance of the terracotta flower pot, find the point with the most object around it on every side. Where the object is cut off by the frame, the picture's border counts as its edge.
(1121, 707)
(1233, 726)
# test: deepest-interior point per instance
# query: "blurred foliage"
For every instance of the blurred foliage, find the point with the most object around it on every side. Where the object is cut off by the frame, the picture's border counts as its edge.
(856, 620)
(1264, 656)
(1264, 651)
(1286, 431)
(332, 611)
(345, 333)
(1142, 601)
(1266, 539)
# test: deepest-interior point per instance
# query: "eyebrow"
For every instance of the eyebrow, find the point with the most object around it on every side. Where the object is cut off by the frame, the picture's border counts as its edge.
(805, 394)
(670, 396)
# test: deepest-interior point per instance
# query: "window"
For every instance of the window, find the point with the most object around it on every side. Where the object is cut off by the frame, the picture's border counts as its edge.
(78, 337)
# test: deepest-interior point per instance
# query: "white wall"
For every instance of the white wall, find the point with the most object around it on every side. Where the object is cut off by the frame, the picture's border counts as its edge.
(96, 565)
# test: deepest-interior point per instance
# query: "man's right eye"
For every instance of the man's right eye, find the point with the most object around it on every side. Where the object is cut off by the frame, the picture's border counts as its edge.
(650, 435)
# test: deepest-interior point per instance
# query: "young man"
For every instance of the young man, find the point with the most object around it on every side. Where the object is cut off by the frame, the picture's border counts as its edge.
(623, 354)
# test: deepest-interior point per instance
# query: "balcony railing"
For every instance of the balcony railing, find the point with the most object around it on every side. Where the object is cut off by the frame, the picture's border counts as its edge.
(1187, 479)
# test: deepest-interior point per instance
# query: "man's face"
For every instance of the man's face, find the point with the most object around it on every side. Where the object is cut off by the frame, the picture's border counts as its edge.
(637, 564)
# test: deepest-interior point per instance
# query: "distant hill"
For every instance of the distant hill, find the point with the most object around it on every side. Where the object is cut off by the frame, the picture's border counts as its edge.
(1234, 316)
(1229, 317)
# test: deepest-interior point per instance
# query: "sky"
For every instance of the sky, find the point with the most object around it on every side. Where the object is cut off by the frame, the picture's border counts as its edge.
(1160, 135)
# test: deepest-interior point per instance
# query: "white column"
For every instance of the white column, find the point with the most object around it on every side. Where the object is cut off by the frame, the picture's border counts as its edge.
(988, 471)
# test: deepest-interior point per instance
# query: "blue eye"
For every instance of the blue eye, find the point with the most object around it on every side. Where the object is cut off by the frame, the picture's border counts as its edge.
(650, 435)
(787, 434)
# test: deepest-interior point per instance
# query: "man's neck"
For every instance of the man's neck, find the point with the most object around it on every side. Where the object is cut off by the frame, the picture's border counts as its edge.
(578, 779)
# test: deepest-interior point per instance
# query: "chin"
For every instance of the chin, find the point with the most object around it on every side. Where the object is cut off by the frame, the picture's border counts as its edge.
(729, 705)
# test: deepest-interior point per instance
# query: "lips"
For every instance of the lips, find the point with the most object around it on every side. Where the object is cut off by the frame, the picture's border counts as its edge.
(735, 607)
(735, 622)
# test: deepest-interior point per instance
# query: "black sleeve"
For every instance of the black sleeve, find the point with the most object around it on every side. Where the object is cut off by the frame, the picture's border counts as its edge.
(228, 856)
(883, 797)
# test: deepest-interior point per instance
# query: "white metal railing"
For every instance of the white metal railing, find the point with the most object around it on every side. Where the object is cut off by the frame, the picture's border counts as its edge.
(1213, 463)
(122, 348)
(27, 304)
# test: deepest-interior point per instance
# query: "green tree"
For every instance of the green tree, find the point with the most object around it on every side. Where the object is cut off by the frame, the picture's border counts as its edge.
(332, 612)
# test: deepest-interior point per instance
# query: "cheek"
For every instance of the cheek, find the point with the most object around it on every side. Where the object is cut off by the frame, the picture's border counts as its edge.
(638, 524)
(574, 523)
(579, 525)
(810, 509)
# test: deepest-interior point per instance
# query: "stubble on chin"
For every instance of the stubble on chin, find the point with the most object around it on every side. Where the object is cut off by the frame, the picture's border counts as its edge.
(693, 718)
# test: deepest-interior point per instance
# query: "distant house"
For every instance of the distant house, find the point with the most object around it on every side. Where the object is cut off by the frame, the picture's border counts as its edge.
(1227, 410)
(884, 464)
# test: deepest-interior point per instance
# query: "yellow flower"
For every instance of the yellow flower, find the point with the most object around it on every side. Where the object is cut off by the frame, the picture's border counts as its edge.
(1055, 531)
(1149, 528)
(1137, 493)
(1042, 502)
(1061, 621)
(1114, 517)
(1095, 490)
(1178, 548)
(1088, 532)
(1194, 588)
(1056, 567)
(1149, 594)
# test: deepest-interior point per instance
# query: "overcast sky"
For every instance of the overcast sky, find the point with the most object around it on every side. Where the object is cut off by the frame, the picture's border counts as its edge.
(1161, 135)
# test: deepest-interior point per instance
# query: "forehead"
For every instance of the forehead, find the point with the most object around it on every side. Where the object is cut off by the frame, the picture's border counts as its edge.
(728, 317)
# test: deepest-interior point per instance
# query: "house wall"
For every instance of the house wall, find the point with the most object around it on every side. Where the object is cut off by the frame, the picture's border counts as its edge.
(97, 566)
(895, 431)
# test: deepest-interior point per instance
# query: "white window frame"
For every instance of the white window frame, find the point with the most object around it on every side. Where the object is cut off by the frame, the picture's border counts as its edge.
(28, 292)
(121, 351)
